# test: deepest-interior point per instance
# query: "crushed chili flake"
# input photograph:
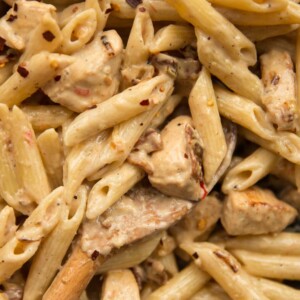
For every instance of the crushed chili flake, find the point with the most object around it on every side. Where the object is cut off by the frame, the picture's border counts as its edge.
(134, 3)
(95, 254)
(203, 187)
(15, 8)
(195, 255)
(82, 91)
(186, 156)
(11, 18)
(145, 102)
(48, 36)
(57, 78)
(22, 71)
(142, 9)
(2, 43)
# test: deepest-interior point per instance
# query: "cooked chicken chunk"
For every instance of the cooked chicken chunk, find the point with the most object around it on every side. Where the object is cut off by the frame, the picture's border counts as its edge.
(255, 211)
(93, 77)
(137, 214)
(19, 22)
(177, 169)
(279, 89)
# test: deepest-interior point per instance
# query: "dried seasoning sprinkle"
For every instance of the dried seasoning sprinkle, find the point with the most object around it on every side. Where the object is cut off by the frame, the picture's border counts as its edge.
(48, 36)
(11, 18)
(23, 71)
(95, 254)
(57, 78)
(145, 102)
(134, 3)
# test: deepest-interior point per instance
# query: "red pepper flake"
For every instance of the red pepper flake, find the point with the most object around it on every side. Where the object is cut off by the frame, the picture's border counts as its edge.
(82, 91)
(48, 36)
(186, 156)
(134, 3)
(145, 102)
(2, 43)
(142, 9)
(57, 78)
(195, 255)
(22, 71)
(95, 255)
(203, 187)
(11, 18)
(15, 8)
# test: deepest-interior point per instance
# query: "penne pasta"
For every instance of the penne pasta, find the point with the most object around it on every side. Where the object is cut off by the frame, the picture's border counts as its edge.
(204, 17)
(234, 73)
(121, 107)
(140, 38)
(269, 265)
(45, 37)
(285, 144)
(52, 155)
(183, 285)
(27, 239)
(159, 10)
(290, 15)
(44, 117)
(111, 188)
(52, 250)
(7, 225)
(172, 37)
(253, 5)
(285, 243)
(207, 121)
(79, 31)
(260, 33)
(244, 112)
(120, 285)
(250, 170)
(225, 269)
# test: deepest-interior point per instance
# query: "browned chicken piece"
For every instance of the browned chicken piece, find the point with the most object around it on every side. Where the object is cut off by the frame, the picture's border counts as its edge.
(93, 77)
(120, 285)
(177, 169)
(279, 89)
(199, 222)
(255, 211)
(139, 213)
